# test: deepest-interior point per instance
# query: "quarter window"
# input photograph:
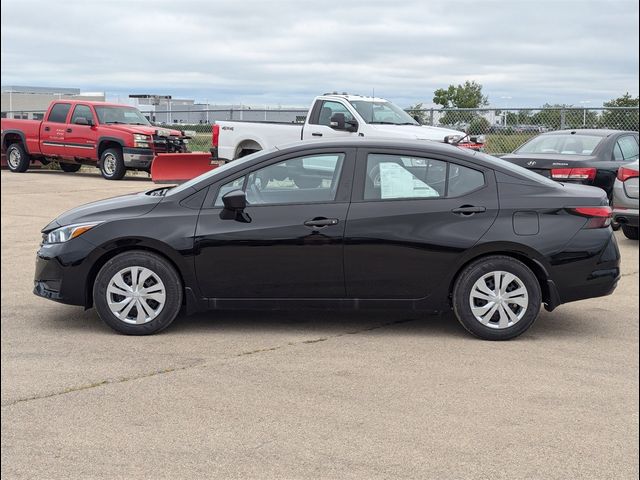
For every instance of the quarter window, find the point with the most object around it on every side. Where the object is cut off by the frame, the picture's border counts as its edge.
(59, 112)
(396, 176)
(629, 148)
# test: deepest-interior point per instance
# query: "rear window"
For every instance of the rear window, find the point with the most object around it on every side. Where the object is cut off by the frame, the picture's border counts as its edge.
(561, 144)
(59, 112)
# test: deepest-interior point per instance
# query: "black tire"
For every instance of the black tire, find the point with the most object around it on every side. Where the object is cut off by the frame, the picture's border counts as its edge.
(474, 272)
(159, 267)
(630, 232)
(70, 167)
(18, 159)
(112, 164)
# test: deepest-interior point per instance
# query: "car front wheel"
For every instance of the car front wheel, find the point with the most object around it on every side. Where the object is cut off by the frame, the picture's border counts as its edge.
(112, 164)
(137, 293)
(497, 298)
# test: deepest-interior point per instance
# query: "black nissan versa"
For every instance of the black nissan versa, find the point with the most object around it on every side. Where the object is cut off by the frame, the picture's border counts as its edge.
(344, 224)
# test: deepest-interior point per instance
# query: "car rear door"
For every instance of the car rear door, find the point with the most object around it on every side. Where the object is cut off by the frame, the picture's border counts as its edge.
(411, 216)
(290, 243)
(53, 130)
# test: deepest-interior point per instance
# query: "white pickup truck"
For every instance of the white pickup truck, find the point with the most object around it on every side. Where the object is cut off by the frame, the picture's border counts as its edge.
(331, 115)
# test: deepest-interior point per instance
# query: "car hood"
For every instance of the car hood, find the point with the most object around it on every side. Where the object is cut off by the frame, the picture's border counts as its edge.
(125, 206)
(414, 132)
(142, 129)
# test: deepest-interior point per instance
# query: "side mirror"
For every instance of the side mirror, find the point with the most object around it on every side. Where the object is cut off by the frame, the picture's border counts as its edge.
(235, 200)
(83, 121)
(337, 121)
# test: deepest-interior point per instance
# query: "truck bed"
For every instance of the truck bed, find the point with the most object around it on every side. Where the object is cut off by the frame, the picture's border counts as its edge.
(29, 129)
(238, 135)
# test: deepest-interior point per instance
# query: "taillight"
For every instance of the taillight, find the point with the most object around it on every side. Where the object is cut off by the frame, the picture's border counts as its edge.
(216, 135)
(573, 173)
(599, 217)
(626, 173)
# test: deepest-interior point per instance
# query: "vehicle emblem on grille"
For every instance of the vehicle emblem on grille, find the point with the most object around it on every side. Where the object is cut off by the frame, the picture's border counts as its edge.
(531, 163)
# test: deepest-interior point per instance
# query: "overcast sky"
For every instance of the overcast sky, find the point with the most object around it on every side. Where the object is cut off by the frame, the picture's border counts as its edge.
(525, 53)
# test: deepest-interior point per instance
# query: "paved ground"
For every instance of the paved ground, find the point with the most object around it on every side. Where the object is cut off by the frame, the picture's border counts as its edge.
(304, 395)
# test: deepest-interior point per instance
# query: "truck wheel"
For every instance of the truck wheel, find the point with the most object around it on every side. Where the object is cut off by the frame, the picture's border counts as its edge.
(497, 298)
(630, 232)
(70, 167)
(17, 159)
(112, 164)
(137, 293)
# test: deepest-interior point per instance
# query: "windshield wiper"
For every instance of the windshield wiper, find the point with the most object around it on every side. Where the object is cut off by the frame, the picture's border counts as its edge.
(115, 122)
(384, 123)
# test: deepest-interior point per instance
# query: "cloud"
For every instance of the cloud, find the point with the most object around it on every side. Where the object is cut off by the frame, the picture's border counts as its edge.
(288, 51)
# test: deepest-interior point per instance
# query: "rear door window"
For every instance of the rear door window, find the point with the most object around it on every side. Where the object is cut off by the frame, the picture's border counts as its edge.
(405, 177)
(58, 113)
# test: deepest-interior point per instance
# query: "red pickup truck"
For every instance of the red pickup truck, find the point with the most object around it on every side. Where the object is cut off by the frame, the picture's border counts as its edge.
(113, 137)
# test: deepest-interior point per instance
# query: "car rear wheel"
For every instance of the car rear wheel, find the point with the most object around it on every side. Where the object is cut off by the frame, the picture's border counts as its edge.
(70, 167)
(112, 164)
(630, 232)
(137, 293)
(17, 159)
(497, 298)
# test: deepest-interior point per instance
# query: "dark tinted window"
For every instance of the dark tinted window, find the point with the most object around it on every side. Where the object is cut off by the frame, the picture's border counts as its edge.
(81, 111)
(59, 112)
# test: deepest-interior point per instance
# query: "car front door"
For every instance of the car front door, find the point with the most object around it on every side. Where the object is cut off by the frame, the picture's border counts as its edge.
(53, 130)
(289, 242)
(81, 135)
(319, 125)
(409, 220)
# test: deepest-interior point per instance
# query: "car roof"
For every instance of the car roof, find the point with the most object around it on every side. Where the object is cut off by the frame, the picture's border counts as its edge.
(594, 132)
(427, 146)
(92, 102)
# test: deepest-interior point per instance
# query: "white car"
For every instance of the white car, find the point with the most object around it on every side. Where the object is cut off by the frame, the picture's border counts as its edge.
(330, 115)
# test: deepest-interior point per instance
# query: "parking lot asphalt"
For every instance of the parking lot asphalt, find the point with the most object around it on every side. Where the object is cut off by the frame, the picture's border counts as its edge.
(304, 394)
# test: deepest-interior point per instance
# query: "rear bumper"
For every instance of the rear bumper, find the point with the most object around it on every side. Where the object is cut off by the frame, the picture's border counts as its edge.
(588, 268)
(137, 157)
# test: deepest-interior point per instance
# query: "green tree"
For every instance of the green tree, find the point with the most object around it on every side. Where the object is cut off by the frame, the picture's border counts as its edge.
(466, 95)
(621, 119)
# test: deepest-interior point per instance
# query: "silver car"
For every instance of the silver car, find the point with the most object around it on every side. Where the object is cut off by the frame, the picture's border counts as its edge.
(625, 200)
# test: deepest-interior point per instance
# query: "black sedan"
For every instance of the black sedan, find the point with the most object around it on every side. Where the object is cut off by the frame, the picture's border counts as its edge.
(588, 157)
(349, 224)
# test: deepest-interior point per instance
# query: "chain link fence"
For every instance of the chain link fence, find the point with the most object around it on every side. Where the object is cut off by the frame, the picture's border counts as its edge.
(504, 129)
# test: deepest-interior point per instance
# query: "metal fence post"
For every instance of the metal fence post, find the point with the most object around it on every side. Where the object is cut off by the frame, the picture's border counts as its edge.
(431, 117)
(563, 118)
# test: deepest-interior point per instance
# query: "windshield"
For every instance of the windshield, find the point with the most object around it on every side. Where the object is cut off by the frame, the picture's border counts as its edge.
(212, 174)
(523, 172)
(124, 115)
(561, 144)
(383, 112)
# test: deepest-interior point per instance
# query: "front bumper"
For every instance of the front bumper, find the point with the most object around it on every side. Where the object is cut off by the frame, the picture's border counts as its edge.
(137, 157)
(62, 271)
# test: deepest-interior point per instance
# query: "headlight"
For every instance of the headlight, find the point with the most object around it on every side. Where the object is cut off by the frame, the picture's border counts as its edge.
(141, 141)
(64, 234)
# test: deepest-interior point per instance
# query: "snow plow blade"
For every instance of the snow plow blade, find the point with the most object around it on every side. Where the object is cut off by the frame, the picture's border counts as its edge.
(180, 167)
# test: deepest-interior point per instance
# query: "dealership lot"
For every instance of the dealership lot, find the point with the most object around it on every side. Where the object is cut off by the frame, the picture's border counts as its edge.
(304, 394)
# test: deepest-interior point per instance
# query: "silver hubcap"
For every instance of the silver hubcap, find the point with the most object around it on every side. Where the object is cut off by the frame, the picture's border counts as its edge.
(499, 299)
(14, 158)
(136, 295)
(109, 164)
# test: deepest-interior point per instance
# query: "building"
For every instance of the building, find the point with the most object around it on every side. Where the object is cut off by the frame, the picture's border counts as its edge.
(31, 102)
